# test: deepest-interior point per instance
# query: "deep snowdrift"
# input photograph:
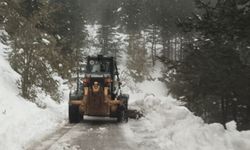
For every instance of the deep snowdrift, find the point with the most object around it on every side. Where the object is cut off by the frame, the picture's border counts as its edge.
(168, 125)
(22, 121)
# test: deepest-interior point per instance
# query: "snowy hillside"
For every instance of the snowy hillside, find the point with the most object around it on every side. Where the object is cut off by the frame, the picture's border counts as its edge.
(22, 121)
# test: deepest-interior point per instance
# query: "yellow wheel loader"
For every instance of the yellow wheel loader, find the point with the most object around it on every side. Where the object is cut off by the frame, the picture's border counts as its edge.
(98, 92)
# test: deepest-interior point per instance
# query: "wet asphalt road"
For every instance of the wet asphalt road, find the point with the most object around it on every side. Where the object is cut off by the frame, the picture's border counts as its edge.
(91, 134)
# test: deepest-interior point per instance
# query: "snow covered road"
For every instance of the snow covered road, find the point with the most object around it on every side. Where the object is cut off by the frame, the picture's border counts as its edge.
(87, 135)
(166, 126)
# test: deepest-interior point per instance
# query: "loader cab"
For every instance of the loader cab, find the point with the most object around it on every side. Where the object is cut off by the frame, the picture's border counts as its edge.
(101, 68)
(100, 65)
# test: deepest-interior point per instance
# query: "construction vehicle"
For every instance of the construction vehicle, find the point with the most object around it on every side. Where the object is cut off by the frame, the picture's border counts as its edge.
(98, 92)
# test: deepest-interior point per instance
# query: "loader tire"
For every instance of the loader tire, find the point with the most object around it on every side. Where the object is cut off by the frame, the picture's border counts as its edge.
(74, 114)
(122, 115)
(81, 117)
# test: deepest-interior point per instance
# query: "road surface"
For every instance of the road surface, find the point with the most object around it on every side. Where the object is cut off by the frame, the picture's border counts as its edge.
(91, 134)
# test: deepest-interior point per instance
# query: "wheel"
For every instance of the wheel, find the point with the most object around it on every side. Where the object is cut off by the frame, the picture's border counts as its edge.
(81, 117)
(122, 115)
(74, 114)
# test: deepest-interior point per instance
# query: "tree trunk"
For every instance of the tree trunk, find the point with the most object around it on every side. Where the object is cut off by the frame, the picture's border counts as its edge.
(175, 49)
(235, 111)
(169, 49)
(181, 49)
(153, 53)
(224, 111)
(26, 74)
(164, 51)
(24, 84)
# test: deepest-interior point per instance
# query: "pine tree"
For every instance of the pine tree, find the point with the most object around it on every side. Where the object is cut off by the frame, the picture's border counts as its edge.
(153, 38)
(132, 20)
(137, 61)
(107, 32)
(28, 56)
(30, 46)
(211, 74)
(68, 27)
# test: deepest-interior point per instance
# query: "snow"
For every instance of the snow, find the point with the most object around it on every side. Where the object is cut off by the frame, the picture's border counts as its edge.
(119, 9)
(58, 37)
(167, 125)
(92, 39)
(92, 47)
(4, 3)
(45, 41)
(148, 87)
(21, 120)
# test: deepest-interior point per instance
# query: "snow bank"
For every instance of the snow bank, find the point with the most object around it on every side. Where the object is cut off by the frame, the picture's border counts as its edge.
(168, 125)
(148, 87)
(22, 121)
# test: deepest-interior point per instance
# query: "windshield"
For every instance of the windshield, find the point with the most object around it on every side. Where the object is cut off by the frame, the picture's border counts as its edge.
(96, 66)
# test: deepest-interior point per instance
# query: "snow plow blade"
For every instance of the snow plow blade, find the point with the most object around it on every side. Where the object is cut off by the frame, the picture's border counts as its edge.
(134, 114)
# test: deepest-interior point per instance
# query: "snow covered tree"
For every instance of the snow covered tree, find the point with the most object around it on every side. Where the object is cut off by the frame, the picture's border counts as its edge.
(132, 20)
(47, 37)
(67, 26)
(153, 38)
(107, 32)
(212, 77)
(28, 56)
(137, 60)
